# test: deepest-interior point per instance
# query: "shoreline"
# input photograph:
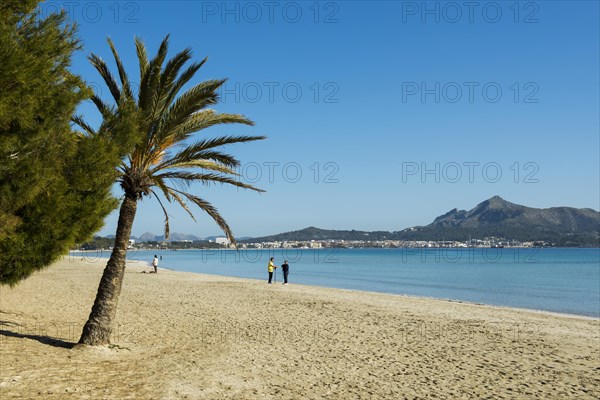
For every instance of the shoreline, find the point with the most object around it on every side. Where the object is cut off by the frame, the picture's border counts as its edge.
(346, 248)
(406, 296)
(136, 262)
(184, 335)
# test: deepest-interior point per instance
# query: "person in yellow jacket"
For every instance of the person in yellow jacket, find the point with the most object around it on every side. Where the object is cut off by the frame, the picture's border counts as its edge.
(271, 268)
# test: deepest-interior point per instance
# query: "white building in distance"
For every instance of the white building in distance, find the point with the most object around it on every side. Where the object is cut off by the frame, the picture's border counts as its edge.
(222, 240)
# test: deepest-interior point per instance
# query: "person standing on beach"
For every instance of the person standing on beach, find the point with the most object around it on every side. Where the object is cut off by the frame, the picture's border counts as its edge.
(285, 267)
(155, 264)
(271, 268)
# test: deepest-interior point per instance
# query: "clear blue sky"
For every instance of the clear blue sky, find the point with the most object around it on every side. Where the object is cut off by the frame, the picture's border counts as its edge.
(364, 98)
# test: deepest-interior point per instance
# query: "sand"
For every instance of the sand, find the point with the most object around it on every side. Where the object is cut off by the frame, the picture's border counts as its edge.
(190, 336)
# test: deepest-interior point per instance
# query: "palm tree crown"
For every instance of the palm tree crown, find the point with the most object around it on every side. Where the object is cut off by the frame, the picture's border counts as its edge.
(161, 120)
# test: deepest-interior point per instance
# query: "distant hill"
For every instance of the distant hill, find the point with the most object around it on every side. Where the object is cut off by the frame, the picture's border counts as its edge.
(147, 237)
(312, 233)
(497, 212)
(498, 217)
(563, 226)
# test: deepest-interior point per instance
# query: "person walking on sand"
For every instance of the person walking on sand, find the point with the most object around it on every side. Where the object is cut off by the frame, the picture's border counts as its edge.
(155, 264)
(271, 268)
(285, 267)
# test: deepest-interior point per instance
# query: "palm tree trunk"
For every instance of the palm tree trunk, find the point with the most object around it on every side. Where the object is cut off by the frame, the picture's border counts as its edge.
(98, 328)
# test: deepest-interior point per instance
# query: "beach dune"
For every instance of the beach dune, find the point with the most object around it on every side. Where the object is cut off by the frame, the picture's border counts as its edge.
(190, 336)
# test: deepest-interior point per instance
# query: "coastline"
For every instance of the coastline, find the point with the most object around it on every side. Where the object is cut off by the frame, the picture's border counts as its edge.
(188, 335)
(139, 262)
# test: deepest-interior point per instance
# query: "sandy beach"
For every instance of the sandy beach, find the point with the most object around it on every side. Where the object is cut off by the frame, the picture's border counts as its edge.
(189, 336)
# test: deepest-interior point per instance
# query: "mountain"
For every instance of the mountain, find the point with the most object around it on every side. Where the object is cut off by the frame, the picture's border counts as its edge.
(497, 212)
(498, 217)
(182, 236)
(563, 226)
(147, 237)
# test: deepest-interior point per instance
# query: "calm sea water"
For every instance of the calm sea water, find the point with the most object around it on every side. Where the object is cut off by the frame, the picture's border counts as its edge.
(558, 280)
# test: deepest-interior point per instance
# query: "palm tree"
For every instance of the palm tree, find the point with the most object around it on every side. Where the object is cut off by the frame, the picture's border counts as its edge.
(159, 121)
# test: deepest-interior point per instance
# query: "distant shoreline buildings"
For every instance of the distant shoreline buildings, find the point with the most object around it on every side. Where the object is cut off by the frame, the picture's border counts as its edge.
(473, 243)
(224, 243)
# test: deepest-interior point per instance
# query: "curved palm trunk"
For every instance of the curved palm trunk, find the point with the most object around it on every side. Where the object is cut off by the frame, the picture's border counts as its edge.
(98, 328)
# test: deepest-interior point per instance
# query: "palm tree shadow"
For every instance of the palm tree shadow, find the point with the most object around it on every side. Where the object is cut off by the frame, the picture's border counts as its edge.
(44, 339)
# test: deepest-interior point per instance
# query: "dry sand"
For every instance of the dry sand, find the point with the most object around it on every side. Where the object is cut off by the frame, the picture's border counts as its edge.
(190, 336)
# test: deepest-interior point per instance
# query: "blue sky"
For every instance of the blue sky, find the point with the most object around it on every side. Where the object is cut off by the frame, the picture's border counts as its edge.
(380, 115)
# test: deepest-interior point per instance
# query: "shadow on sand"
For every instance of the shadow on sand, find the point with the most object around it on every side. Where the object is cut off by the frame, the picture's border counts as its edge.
(44, 339)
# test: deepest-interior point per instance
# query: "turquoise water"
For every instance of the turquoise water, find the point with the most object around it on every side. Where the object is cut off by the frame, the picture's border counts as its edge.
(558, 280)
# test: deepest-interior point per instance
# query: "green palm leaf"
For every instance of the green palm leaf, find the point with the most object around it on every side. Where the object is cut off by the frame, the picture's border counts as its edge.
(122, 74)
(78, 120)
(212, 212)
(107, 76)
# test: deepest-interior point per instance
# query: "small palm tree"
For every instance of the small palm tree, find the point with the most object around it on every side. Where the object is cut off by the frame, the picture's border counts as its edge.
(159, 120)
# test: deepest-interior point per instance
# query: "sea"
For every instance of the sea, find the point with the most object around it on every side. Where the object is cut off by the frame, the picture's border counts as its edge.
(561, 280)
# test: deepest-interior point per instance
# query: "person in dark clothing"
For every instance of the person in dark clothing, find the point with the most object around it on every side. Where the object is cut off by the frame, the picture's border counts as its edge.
(286, 270)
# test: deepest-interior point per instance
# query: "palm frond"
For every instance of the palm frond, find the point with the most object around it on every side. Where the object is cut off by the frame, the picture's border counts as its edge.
(163, 187)
(195, 99)
(173, 67)
(167, 228)
(173, 194)
(153, 83)
(142, 55)
(212, 212)
(105, 109)
(202, 120)
(78, 120)
(217, 156)
(187, 178)
(108, 77)
(204, 164)
(202, 150)
(184, 78)
(122, 73)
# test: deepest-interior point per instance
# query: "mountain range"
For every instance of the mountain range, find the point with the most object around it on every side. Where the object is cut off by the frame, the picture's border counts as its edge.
(564, 226)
